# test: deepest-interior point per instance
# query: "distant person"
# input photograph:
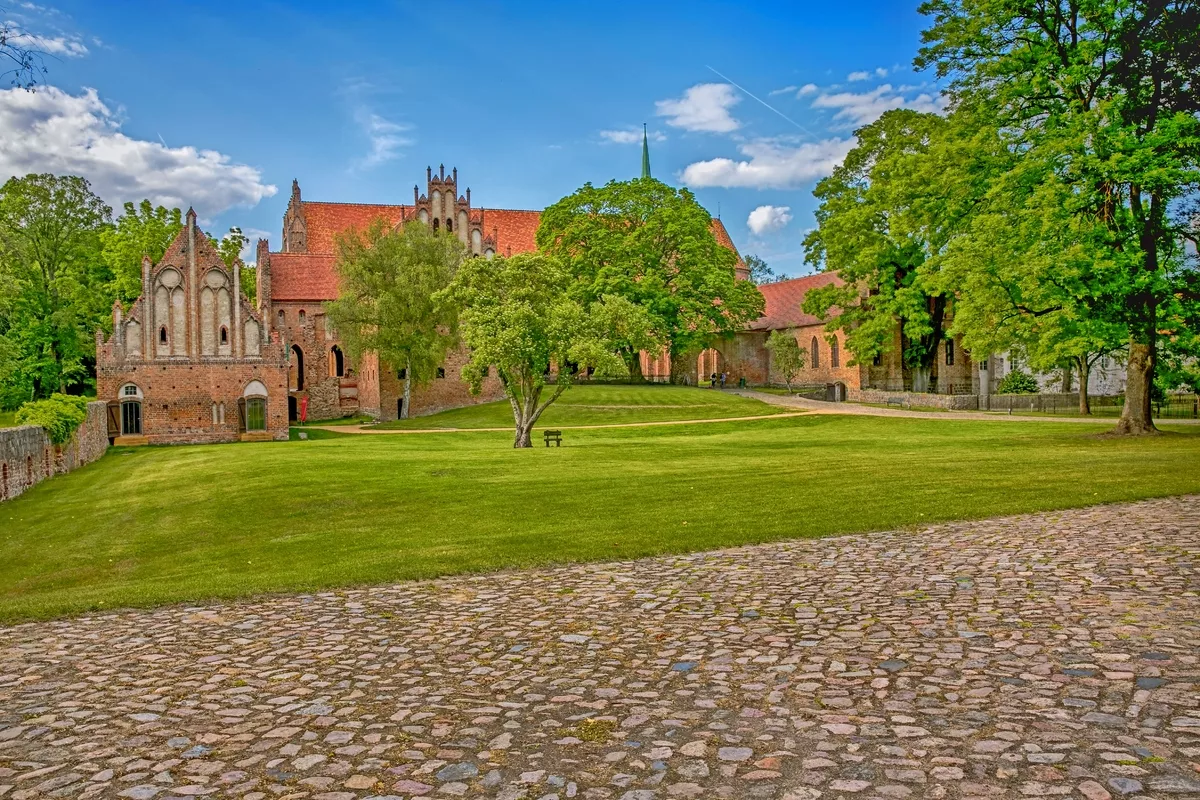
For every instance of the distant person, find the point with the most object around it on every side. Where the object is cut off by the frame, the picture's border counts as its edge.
(712, 381)
(722, 380)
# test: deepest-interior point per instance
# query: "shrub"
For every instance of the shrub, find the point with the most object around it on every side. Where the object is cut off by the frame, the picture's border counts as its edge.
(1017, 382)
(60, 415)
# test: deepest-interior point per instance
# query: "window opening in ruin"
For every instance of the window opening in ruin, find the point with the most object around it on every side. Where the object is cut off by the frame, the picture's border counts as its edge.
(835, 359)
(816, 353)
(337, 363)
(162, 335)
(949, 352)
(224, 335)
(302, 316)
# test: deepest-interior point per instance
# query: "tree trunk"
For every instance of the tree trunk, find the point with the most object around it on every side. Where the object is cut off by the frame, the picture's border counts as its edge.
(1066, 379)
(683, 367)
(407, 389)
(920, 379)
(1085, 407)
(523, 438)
(1135, 416)
(635, 366)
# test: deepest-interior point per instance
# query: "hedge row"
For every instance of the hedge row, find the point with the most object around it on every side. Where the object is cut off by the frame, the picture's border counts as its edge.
(60, 414)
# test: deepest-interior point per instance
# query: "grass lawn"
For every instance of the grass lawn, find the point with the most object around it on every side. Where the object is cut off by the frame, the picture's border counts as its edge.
(8, 419)
(155, 525)
(600, 404)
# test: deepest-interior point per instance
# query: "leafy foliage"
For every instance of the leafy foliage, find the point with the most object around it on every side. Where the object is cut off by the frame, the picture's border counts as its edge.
(142, 230)
(1017, 382)
(652, 245)
(787, 357)
(761, 272)
(52, 284)
(517, 315)
(60, 414)
(392, 298)
(1100, 99)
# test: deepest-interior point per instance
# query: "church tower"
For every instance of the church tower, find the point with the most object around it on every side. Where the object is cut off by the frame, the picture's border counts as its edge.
(645, 153)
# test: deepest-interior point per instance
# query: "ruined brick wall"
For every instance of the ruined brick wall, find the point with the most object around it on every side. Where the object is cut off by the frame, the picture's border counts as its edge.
(314, 338)
(28, 457)
(439, 394)
(178, 396)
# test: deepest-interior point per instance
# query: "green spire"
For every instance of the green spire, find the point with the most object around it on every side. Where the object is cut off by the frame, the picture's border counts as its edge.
(645, 153)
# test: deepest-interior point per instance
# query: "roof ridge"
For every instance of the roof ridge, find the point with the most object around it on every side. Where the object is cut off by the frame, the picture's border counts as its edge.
(345, 203)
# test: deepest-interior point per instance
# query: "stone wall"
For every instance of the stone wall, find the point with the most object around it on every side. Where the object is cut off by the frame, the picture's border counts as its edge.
(954, 402)
(28, 457)
(439, 394)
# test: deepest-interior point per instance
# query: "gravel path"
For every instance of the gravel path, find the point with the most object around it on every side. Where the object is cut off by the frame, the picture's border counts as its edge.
(1050, 655)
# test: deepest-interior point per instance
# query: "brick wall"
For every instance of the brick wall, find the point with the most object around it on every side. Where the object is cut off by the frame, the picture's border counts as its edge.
(28, 457)
(315, 340)
(178, 396)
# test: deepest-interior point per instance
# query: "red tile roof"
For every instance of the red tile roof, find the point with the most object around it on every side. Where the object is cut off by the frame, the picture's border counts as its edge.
(325, 220)
(303, 276)
(516, 231)
(311, 276)
(784, 299)
(722, 236)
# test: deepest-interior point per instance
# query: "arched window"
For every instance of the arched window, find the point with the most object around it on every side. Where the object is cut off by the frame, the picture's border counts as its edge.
(449, 225)
(476, 242)
(949, 352)
(224, 335)
(337, 364)
(435, 225)
(296, 369)
(162, 335)
(834, 357)
(302, 316)
(489, 253)
(816, 353)
(282, 318)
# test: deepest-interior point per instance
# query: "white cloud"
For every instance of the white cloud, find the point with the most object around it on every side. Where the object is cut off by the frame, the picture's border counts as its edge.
(784, 90)
(386, 137)
(67, 46)
(630, 136)
(703, 107)
(858, 76)
(862, 108)
(52, 131)
(770, 165)
(808, 88)
(768, 218)
(881, 72)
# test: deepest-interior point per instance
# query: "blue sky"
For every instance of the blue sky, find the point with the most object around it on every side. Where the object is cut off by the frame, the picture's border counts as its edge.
(219, 105)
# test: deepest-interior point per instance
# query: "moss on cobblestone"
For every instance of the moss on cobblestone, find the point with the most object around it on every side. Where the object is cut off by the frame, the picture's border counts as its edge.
(162, 525)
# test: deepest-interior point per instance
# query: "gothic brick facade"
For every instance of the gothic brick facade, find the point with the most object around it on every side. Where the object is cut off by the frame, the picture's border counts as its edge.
(193, 361)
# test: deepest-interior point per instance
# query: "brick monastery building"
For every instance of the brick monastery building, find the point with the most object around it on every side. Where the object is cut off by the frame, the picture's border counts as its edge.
(194, 361)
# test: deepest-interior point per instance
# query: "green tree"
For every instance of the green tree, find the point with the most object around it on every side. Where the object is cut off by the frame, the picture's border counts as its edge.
(787, 357)
(653, 245)
(142, 230)
(518, 316)
(877, 227)
(761, 272)
(1017, 382)
(1102, 95)
(392, 299)
(52, 274)
(230, 247)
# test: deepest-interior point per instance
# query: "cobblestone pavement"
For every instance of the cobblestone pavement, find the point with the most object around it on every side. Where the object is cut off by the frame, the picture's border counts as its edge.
(1048, 655)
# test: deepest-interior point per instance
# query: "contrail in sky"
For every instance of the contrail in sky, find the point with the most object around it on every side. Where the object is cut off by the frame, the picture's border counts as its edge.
(765, 103)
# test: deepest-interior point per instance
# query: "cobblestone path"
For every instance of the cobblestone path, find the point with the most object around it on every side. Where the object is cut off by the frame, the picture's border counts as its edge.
(1047, 655)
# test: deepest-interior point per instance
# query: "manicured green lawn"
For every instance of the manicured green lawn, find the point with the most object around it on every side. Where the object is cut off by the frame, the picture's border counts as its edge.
(604, 405)
(156, 525)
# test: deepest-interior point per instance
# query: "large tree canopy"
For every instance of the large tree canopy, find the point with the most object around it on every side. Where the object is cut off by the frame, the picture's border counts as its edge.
(1102, 96)
(391, 299)
(877, 225)
(53, 284)
(518, 316)
(653, 245)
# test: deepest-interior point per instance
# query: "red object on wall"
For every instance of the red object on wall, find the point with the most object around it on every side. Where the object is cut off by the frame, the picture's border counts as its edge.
(304, 409)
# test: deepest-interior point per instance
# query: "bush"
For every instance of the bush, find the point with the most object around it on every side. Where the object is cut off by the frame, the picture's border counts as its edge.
(60, 415)
(1017, 382)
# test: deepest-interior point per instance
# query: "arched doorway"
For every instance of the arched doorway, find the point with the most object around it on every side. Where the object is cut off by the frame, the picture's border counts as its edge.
(337, 364)
(399, 408)
(296, 369)
(293, 414)
(131, 410)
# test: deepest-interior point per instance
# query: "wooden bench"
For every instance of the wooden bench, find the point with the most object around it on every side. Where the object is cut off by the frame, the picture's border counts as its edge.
(553, 436)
